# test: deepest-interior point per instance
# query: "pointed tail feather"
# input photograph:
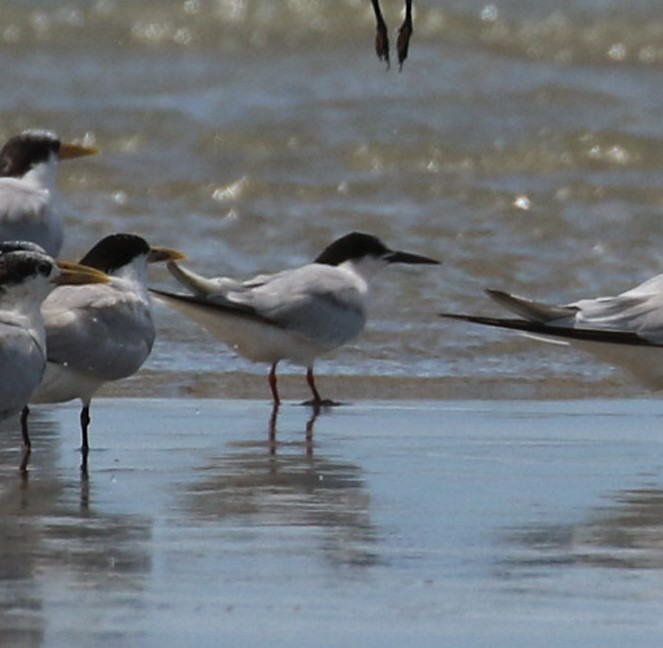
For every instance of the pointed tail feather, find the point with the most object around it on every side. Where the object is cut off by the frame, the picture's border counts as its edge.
(530, 309)
(197, 284)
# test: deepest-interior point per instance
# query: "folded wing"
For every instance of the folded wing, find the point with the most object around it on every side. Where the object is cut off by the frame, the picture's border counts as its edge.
(93, 329)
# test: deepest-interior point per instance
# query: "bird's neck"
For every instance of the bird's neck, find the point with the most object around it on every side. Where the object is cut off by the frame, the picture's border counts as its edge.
(134, 273)
(42, 176)
(24, 303)
(364, 268)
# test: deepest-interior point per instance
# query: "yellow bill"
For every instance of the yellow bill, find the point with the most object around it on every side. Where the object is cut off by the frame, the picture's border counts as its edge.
(76, 274)
(161, 254)
(69, 150)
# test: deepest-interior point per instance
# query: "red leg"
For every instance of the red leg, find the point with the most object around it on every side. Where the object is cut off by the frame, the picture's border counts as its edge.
(311, 383)
(272, 385)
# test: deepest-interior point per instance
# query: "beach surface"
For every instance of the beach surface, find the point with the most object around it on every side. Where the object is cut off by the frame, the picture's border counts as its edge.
(390, 523)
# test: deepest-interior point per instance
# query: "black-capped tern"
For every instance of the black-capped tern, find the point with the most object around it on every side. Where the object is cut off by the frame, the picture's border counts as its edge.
(27, 276)
(98, 334)
(294, 315)
(625, 330)
(28, 186)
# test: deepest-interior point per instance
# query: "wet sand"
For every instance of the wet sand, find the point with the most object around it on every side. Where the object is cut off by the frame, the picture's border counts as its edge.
(459, 523)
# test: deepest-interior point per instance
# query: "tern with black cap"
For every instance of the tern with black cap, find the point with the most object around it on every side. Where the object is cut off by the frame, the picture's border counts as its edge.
(98, 334)
(297, 314)
(28, 187)
(27, 276)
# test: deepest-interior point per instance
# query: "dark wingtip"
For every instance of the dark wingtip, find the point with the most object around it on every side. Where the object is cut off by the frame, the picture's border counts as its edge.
(496, 292)
(485, 320)
(457, 316)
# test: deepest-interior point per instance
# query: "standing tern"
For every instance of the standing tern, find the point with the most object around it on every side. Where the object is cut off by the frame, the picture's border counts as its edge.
(27, 275)
(293, 315)
(28, 186)
(97, 334)
(625, 330)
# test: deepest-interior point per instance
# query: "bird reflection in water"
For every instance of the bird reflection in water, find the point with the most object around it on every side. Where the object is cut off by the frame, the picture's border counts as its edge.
(258, 487)
(626, 534)
(26, 451)
(45, 436)
(271, 429)
(55, 538)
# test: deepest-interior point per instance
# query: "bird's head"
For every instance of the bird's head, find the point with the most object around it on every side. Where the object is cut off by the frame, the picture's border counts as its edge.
(366, 252)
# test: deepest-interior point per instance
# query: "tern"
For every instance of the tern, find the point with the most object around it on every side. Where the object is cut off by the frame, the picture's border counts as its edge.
(28, 175)
(294, 315)
(27, 275)
(98, 334)
(625, 330)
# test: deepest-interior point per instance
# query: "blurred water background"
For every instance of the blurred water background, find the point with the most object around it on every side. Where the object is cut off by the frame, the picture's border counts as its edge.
(520, 145)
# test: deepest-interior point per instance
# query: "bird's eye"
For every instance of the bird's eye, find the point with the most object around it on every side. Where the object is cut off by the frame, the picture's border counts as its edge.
(44, 268)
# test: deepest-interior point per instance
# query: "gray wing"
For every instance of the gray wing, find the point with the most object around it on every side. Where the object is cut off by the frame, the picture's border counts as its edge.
(638, 311)
(22, 363)
(98, 329)
(316, 301)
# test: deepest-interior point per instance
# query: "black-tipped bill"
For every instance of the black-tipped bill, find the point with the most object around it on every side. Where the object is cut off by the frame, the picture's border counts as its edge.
(161, 254)
(69, 151)
(407, 257)
(76, 274)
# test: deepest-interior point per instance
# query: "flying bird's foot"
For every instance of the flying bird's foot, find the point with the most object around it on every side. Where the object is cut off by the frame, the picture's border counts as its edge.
(403, 42)
(382, 43)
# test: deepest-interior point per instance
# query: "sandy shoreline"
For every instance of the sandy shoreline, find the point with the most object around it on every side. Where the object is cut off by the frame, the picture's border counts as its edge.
(360, 388)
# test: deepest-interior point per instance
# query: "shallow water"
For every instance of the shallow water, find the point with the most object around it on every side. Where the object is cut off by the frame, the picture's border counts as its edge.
(520, 145)
(465, 522)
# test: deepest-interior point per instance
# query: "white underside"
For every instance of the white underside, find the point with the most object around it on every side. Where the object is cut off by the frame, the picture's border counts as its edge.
(257, 341)
(61, 384)
(27, 212)
(21, 367)
(644, 363)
